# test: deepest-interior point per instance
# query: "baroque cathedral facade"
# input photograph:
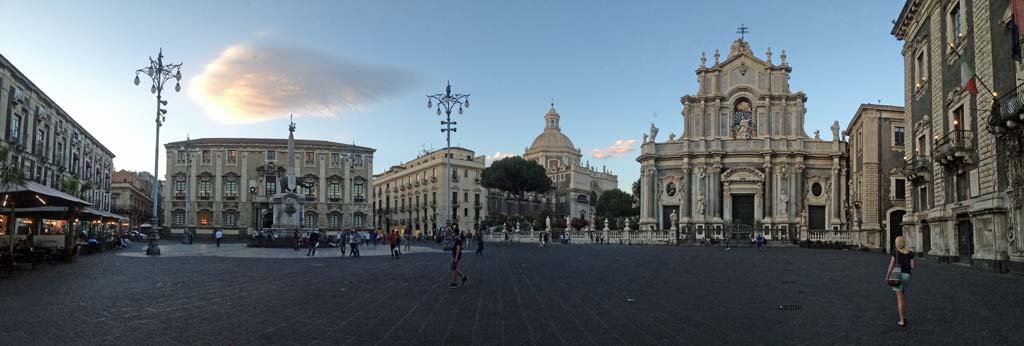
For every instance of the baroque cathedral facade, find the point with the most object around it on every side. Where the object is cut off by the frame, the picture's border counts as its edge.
(743, 164)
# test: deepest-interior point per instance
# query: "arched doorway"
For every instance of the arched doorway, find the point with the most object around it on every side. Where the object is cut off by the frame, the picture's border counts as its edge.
(268, 220)
(895, 227)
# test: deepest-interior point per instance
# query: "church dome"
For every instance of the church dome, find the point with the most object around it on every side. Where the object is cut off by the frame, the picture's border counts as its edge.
(552, 137)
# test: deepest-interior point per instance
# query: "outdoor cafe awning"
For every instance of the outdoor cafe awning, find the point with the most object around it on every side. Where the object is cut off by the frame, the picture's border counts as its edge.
(60, 213)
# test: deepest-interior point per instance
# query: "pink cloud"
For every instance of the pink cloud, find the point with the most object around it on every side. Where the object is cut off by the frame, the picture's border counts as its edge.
(617, 150)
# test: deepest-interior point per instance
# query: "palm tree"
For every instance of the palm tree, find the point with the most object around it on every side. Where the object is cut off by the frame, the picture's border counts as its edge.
(75, 187)
(10, 176)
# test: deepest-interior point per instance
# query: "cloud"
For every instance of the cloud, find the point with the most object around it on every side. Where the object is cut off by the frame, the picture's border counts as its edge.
(619, 149)
(258, 82)
(497, 156)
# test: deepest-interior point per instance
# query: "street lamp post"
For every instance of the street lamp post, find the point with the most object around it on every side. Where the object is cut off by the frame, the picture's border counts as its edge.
(160, 74)
(447, 102)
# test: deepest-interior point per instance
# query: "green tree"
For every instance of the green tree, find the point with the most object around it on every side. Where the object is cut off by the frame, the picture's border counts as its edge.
(10, 176)
(614, 204)
(516, 176)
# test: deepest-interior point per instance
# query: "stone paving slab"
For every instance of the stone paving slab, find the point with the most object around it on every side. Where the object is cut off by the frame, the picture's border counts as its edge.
(516, 295)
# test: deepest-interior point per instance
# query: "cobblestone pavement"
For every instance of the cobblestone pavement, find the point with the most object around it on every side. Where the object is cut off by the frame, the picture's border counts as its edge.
(516, 295)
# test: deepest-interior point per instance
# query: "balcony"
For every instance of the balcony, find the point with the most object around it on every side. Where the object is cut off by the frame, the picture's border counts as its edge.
(917, 169)
(1008, 110)
(334, 198)
(359, 199)
(204, 195)
(230, 196)
(955, 148)
(179, 195)
(310, 197)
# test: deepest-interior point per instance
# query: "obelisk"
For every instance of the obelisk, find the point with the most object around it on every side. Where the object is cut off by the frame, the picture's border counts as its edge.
(291, 156)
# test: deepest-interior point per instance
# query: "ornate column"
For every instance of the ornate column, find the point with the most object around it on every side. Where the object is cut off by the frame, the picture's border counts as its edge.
(798, 196)
(842, 198)
(684, 193)
(716, 194)
(726, 202)
(834, 206)
(758, 203)
(769, 181)
(647, 204)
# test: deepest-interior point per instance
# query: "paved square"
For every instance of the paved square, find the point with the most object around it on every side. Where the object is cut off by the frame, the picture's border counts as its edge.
(516, 295)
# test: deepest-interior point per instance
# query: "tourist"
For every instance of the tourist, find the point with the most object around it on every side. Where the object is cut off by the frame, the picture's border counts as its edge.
(259, 238)
(760, 242)
(314, 241)
(456, 256)
(218, 235)
(353, 244)
(393, 242)
(297, 239)
(340, 239)
(902, 260)
(408, 241)
(479, 243)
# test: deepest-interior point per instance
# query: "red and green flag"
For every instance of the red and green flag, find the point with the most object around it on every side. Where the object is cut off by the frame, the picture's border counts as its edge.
(967, 81)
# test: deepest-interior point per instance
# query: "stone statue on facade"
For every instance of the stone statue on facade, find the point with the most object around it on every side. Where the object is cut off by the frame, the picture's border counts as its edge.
(783, 202)
(547, 223)
(745, 129)
(671, 137)
(817, 135)
(835, 130)
(703, 59)
(654, 133)
(717, 56)
(700, 203)
(783, 57)
(645, 139)
(568, 222)
(803, 219)
(675, 220)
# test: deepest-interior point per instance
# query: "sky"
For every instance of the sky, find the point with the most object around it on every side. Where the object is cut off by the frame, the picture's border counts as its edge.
(358, 71)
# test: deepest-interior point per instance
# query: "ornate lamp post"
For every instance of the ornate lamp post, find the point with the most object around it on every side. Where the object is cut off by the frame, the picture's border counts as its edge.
(446, 103)
(160, 74)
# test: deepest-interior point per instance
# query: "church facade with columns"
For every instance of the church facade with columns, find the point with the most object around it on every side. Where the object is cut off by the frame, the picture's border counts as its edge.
(744, 164)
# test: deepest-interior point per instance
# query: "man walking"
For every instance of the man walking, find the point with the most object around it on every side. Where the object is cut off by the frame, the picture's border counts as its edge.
(218, 235)
(479, 243)
(456, 256)
(353, 244)
(393, 242)
(340, 239)
(314, 241)
(295, 237)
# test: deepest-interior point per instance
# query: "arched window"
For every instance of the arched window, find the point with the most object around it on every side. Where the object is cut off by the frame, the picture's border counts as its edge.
(334, 220)
(205, 218)
(179, 217)
(309, 220)
(230, 218)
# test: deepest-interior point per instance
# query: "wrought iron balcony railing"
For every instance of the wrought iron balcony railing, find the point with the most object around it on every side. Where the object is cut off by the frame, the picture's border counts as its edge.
(955, 148)
(917, 168)
(1008, 112)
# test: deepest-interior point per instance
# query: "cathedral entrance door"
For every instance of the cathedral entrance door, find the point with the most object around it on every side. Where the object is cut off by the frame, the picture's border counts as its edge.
(743, 210)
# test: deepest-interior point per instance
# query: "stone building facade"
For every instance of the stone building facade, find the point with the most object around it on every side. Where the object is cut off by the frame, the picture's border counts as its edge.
(131, 194)
(228, 184)
(878, 189)
(412, 193)
(48, 144)
(577, 184)
(743, 164)
(964, 155)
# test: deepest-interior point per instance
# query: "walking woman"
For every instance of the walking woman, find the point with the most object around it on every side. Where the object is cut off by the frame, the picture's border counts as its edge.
(903, 261)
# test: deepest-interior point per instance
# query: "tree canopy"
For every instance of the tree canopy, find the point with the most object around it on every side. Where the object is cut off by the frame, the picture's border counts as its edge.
(615, 203)
(516, 176)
